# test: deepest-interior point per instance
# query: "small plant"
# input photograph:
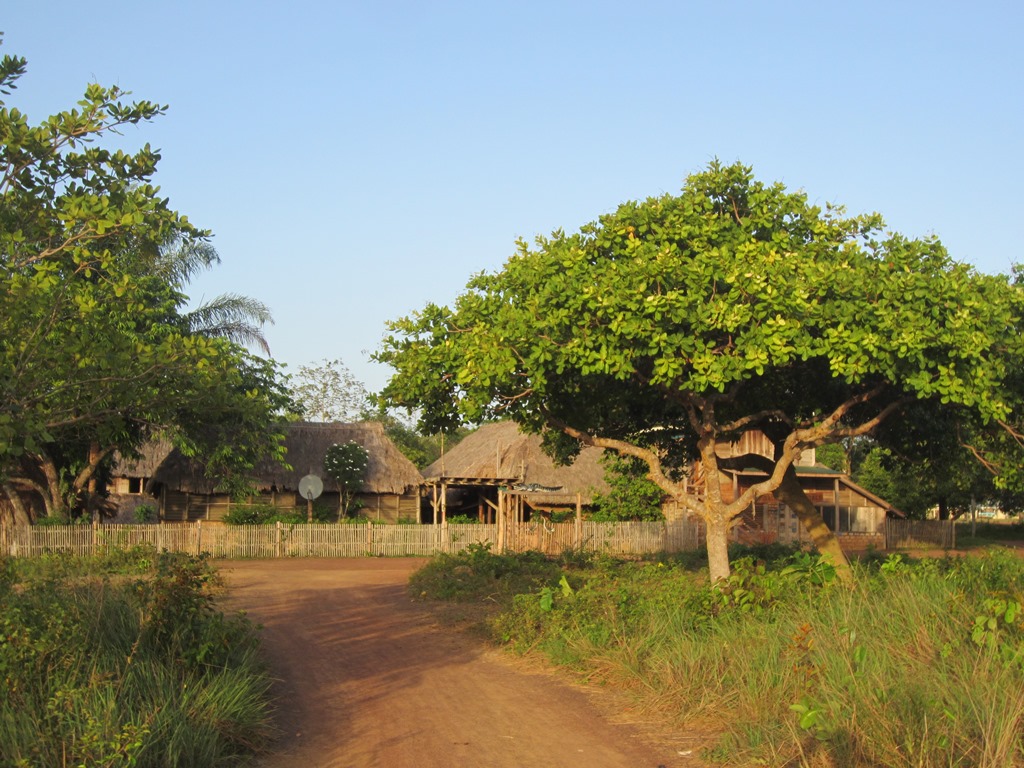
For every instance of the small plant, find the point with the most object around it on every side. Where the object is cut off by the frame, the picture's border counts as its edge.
(631, 496)
(461, 520)
(250, 514)
(347, 465)
(53, 520)
(144, 513)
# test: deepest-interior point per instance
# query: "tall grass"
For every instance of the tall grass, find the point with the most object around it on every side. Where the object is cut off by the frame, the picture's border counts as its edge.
(125, 671)
(921, 665)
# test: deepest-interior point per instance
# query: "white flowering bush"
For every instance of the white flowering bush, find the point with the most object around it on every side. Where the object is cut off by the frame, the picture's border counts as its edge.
(346, 464)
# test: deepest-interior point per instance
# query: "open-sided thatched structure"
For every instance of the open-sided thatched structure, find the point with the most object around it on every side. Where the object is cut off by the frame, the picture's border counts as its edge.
(499, 466)
(390, 491)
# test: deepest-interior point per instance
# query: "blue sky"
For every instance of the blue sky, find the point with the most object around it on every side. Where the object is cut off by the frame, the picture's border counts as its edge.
(358, 160)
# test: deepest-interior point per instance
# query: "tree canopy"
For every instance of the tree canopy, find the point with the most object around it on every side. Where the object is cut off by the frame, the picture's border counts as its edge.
(327, 391)
(677, 323)
(97, 352)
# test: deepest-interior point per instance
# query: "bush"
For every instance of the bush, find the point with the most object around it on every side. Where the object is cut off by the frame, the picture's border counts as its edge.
(139, 672)
(144, 513)
(477, 573)
(268, 514)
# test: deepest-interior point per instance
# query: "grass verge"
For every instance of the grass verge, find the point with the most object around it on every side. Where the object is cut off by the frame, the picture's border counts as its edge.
(920, 664)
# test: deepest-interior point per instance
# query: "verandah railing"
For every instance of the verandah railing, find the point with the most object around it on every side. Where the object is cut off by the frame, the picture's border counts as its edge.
(332, 540)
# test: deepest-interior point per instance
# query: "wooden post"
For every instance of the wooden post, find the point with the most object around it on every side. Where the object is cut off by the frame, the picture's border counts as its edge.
(277, 540)
(369, 537)
(95, 531)
(444, 503)
(579, 521)
(500, 518)
(199, 537)
(835, 500)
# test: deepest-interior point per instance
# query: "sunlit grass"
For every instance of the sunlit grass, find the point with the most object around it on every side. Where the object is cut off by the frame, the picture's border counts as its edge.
(125, 671)
(920, 665)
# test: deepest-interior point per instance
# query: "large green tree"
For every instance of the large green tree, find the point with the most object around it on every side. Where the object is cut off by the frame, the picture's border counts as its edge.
(97, 350)
(674, 324)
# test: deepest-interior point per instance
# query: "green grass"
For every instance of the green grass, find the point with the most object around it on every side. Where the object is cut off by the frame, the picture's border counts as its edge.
(920, 665)
(125, 662)
(987, 533)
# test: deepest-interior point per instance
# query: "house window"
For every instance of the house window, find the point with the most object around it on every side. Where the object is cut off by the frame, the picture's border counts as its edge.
(135, 485)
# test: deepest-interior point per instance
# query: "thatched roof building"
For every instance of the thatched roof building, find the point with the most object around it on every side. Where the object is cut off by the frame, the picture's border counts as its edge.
(164, 471)
(500, 454)
(306, 443)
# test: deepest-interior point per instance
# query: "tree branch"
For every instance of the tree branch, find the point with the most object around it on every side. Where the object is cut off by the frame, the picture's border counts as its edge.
(649, 457)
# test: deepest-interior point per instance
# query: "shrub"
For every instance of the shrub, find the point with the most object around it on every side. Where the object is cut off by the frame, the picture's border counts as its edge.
(477, 573)
(125, 673)
(144, 513)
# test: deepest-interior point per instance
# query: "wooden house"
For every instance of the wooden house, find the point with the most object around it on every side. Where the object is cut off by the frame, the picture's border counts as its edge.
(390, 492)
(854, 513)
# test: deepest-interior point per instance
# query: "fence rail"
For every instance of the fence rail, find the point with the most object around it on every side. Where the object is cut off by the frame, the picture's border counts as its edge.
(332, 540)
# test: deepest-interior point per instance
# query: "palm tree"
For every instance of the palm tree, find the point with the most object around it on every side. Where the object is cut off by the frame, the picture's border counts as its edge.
(231, 316)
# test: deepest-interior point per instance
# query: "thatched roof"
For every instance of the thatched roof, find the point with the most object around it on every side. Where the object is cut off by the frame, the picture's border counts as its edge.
(500, 452)
(151, 456)
(306, 443)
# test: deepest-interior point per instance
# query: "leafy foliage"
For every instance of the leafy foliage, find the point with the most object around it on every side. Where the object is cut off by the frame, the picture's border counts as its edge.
(478, 573)
(676, 323)
(632, 495)
(327, 391)
(266, 514)
(97, 353)
(420, 449)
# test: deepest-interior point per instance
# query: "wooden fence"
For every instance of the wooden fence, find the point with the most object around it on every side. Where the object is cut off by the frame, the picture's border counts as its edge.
(332, 540)
(919, 534)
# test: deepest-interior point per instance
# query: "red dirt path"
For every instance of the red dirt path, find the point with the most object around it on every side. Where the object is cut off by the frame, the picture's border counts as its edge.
(368, 678)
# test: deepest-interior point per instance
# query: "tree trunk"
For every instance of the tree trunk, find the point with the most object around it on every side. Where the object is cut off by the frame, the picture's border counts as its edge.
(718, 547)
(21, 515)
(53, 499)
(791, 493)
(95, 457)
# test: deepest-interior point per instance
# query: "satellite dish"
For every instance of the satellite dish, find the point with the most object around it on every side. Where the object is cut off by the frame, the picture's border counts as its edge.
(310, 487)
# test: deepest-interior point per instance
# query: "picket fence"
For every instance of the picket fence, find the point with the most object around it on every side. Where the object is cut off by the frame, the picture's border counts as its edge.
(332, 540)
(920, 534)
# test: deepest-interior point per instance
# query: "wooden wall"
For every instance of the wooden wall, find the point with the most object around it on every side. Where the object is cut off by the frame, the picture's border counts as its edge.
(178, 506)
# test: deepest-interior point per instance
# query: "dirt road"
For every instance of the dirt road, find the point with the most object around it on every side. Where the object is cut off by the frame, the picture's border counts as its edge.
(367, 678)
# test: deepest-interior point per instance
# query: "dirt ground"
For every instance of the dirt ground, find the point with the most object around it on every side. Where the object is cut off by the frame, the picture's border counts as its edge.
(368, 678)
